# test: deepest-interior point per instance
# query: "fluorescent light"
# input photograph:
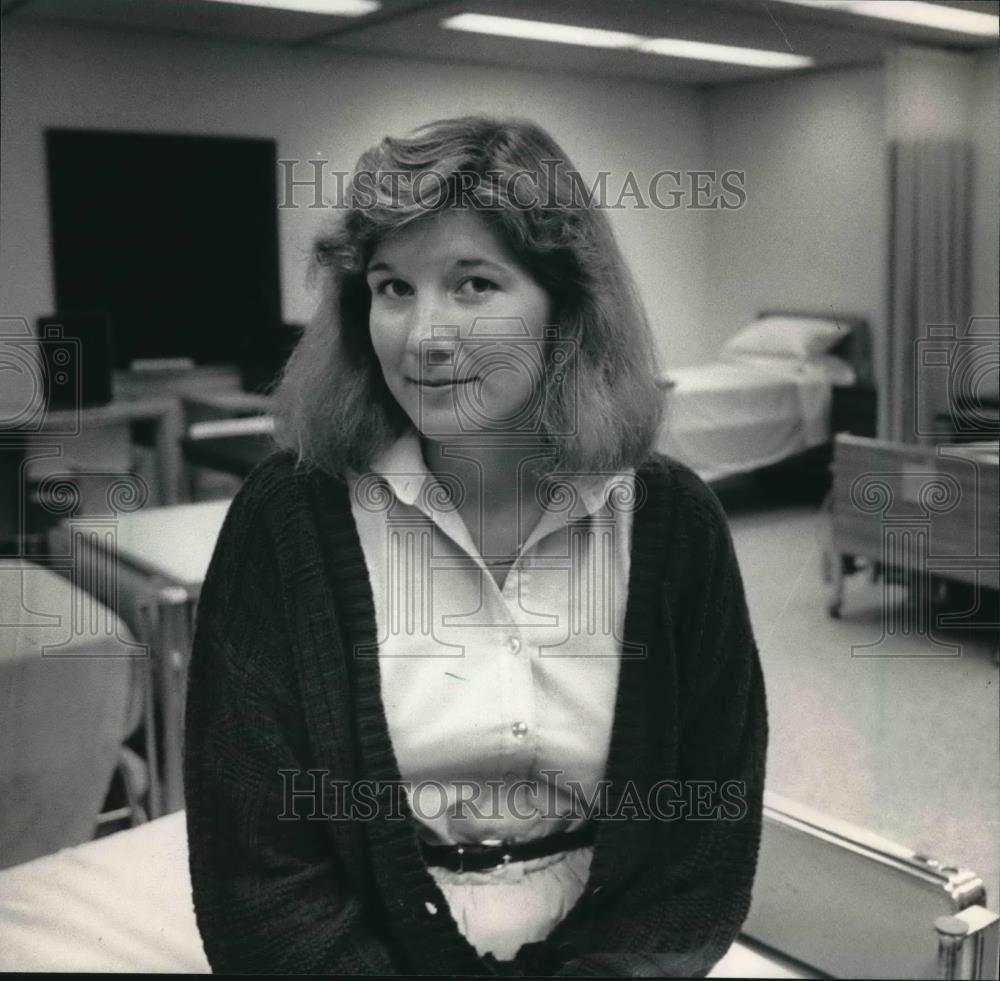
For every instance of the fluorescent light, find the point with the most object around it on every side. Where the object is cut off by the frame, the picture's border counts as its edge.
(916, 12)
(342, 8)
(536, 30)
(674, 48)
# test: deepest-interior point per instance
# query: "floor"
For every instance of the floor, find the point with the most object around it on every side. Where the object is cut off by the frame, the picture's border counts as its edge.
(904, 746)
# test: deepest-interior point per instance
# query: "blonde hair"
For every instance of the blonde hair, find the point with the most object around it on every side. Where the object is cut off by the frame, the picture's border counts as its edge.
(333, 406)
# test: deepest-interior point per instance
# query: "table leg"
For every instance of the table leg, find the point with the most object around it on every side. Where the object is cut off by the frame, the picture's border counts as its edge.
(173, 653)
(168, 456)
(837, 568)
(151, 737)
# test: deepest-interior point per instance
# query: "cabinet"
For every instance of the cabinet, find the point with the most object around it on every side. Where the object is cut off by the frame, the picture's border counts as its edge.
(854, 409)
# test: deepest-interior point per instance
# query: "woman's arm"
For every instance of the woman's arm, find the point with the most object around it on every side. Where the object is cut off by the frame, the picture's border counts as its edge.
(270, 895)
(685, 910)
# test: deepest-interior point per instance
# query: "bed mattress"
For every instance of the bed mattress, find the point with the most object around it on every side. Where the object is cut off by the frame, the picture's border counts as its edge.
(727, 418)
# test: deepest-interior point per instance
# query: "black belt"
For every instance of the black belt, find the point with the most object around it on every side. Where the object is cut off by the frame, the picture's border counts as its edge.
(477, 857)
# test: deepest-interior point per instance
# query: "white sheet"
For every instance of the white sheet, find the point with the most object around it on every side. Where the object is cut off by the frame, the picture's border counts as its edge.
(123, 903)
(725, 418)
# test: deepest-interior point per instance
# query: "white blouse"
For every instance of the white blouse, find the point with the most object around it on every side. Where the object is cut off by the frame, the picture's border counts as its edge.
(499, 702)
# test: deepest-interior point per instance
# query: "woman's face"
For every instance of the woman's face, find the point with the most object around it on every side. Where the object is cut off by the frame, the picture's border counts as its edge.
(458, 326)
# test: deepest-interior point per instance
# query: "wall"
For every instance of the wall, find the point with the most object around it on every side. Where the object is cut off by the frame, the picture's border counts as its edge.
(812, 234)
(331, 105)
(928, 94)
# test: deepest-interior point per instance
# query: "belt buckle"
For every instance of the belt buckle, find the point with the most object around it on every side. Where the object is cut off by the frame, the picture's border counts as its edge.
(505, 859)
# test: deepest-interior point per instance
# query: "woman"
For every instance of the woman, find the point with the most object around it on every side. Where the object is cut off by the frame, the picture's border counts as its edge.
(474, 688)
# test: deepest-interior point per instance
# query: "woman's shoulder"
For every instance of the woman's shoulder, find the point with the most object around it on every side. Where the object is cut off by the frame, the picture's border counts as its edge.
(687, 495)
(271, 502)
(280, 480)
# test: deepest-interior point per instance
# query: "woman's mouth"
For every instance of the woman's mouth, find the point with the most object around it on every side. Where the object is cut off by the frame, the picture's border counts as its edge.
(440, 383)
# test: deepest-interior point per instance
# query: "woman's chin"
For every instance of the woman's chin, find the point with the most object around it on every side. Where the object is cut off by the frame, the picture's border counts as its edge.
(449, 423)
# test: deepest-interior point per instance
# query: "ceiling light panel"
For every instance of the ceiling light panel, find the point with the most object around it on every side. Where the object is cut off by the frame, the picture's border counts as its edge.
(535, 30)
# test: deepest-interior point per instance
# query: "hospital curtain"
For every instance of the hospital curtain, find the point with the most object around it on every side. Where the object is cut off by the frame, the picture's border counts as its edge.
(929, 275)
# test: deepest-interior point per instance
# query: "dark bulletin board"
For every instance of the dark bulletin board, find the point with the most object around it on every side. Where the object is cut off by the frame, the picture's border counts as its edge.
(175, 237)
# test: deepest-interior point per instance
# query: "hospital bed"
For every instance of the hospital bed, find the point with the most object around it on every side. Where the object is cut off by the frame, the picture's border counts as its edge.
(829, 901)
(782, 386)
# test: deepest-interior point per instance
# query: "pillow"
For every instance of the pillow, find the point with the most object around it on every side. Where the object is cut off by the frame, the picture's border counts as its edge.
(839, 371)
(835, 370)
(786, 337)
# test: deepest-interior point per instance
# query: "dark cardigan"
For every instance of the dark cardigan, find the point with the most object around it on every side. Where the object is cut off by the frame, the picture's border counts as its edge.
(282, 679)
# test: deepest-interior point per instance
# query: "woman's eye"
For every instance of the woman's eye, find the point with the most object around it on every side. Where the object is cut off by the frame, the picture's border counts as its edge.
(476, 286)
(393, 288)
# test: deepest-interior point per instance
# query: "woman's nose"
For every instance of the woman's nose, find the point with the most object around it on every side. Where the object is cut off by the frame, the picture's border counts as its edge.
(434, 351)
(433, 325)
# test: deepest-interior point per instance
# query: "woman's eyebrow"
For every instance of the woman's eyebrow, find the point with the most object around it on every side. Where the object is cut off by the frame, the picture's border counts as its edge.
(473, 263)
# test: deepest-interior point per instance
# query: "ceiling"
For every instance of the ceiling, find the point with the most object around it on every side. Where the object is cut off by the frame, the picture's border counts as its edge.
(410, 28)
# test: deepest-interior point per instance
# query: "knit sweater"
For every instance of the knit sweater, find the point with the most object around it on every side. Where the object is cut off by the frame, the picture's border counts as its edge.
(284, 679)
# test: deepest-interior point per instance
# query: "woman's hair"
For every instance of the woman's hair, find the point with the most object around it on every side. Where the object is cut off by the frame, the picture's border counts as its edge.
(333, 406)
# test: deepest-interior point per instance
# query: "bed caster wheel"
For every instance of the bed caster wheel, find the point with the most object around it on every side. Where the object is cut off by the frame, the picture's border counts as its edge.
(834, 609)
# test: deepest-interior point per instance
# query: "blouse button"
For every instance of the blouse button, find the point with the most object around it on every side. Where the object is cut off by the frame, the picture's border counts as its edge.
(513, 645)
(519, 729)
